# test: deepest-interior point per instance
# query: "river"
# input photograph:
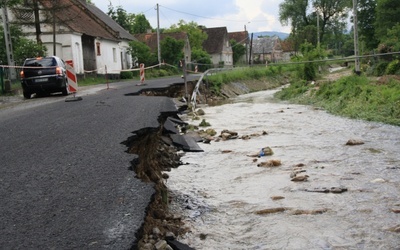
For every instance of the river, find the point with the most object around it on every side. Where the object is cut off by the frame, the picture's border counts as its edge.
(228, 202)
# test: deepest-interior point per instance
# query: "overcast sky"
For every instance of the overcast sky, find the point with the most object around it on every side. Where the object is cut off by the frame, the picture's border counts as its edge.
(255, 15)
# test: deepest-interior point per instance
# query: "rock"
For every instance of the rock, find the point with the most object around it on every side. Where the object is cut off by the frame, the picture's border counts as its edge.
(200, 112)
(378, 180)
(170, 235)
(300, 178)
(338, 190)
(396, 210)
(211, 131)
(271, 210)
(395, 229)
(156, 231)
(226, 136)
(245, 137)
(165, 176)
(317, 190)
(161, 245)
(353, 142)
(266, 151)
(310, 212)
(226, 151)
(295, 172)
(275, 198)
(270, 163)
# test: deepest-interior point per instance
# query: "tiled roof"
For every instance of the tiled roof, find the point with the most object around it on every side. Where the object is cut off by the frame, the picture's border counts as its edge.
(214, 43)
(240, 37)
(87, 19)
(121, 32)
(266, 45)
(150, 39)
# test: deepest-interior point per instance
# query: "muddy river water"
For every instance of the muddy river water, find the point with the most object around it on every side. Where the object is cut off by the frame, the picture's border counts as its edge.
(230, 203)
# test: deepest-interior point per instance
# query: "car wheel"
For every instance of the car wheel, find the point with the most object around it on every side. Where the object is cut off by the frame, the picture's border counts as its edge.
(65, 90)
(27, 94)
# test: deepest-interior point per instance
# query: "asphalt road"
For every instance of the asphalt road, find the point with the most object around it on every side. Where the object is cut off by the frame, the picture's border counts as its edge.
(65, 181)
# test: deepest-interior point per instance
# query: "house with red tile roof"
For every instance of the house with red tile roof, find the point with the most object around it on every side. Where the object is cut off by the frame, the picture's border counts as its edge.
(79, 31)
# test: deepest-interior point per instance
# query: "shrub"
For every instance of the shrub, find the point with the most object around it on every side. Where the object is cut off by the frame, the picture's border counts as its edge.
(126, 75)
(380, 68)
(393, 67)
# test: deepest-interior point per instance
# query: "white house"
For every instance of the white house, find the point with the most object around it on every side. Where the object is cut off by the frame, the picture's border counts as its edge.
(218, 46)
(78, 31)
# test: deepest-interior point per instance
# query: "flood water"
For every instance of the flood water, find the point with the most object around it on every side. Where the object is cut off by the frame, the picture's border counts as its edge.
(220, 190)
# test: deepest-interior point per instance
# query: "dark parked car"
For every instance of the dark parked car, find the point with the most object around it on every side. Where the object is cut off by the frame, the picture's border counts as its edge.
(44, 75)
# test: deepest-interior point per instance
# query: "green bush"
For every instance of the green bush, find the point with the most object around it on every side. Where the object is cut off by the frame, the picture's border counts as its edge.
(393, 67)
(126, 75)
(380, 68)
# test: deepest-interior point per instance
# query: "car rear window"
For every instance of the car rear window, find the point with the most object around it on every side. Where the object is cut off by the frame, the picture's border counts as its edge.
(40, 62)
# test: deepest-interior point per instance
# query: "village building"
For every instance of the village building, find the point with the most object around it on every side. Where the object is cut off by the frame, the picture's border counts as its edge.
(217, 45)
(266, 49)
(79, 31)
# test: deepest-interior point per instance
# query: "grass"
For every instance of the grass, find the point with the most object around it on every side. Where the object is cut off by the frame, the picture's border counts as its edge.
(241, 74)
(353, 96)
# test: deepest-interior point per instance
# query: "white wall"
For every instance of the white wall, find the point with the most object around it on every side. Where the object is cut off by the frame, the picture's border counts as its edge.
(110, 57)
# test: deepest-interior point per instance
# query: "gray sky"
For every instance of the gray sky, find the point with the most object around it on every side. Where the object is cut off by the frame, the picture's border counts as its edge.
(256, 15)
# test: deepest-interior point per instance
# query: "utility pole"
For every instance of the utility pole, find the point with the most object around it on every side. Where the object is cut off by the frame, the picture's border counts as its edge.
(247, 43)
(158, 35)
(54, 28)
(251, 48)
(7, 38)
(356, 52)
(318, 39)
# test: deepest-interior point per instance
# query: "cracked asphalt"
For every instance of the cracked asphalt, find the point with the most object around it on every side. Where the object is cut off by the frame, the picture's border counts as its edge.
(65, 181)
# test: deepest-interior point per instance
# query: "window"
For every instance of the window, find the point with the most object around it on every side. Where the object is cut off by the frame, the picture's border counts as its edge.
(115, 54)
(98, 49)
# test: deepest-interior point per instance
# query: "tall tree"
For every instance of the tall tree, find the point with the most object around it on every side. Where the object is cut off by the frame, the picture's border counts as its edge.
(195, 33)
(387, 16)
(142, 53)
(366, 22)
(172, 50)
(303, 16)
(120, 16)
(140, 25)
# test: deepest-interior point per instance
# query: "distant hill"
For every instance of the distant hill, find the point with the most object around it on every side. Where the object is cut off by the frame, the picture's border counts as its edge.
(281, 35)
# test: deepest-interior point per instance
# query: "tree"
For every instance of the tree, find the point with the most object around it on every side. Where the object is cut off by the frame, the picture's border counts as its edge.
(303, 15)
(142, 53)
(120, 16)
(387, 16)
(172, 50)
(196, 35)
(238, 50)
(202, 58)
(366, 22)
(140, 25)
(23, 47)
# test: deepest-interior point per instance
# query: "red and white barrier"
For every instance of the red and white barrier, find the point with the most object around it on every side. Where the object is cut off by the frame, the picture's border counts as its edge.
(142, 78)
(72, 79)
